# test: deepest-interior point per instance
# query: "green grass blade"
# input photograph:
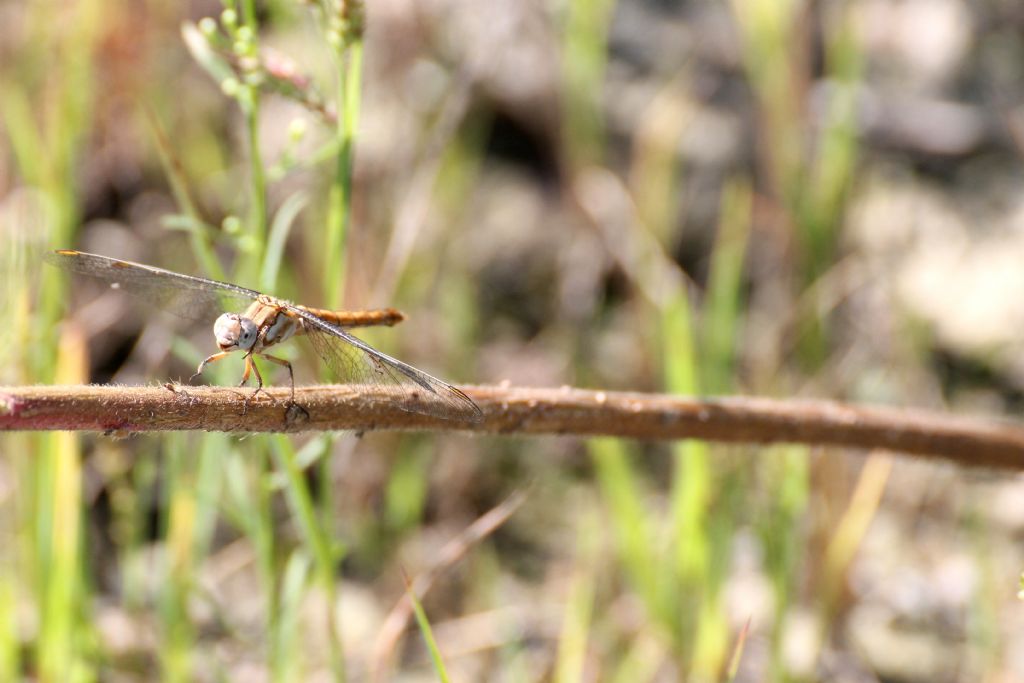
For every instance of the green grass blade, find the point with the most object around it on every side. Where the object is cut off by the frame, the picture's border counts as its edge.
(585, 55)
(340, 196)
(284, 219)
(572, 642)
(428, 634)
(631, 525)
(723, 301)
(288, 638)
(316, 539)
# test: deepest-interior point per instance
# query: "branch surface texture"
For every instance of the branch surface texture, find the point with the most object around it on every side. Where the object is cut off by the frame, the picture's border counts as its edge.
(516, 411)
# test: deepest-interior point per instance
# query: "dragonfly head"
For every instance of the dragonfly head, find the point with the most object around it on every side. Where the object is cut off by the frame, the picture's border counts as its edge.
(234, 332)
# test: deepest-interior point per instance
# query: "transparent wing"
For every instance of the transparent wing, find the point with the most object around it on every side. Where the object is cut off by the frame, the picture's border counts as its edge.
(187, 296)
(354, 361)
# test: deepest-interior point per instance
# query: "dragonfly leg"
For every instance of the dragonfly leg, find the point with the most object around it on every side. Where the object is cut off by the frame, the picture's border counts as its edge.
(291, 374)
(212, 359)
(250, 368)
(248, 371)
(250, 362)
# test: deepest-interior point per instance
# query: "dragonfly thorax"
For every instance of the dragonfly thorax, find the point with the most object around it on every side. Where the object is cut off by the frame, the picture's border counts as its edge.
(234, 331)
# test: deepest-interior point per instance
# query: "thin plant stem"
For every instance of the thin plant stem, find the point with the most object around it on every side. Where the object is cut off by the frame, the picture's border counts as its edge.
(124, 410)
(258, 181)
(340, 211)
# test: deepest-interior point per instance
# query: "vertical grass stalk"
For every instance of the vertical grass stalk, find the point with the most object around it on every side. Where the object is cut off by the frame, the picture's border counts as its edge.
(339, 213)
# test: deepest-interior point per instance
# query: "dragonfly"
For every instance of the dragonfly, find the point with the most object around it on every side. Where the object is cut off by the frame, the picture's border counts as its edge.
(266, 321)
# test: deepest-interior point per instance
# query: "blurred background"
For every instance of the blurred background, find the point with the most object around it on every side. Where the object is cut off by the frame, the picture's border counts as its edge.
(774, 197)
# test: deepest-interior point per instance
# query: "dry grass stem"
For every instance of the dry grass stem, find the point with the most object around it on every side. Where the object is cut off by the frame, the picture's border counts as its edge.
(516, 411)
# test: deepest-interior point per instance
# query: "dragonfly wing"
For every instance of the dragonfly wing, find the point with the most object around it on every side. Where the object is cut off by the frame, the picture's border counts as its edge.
(186, 296)
(354, 361)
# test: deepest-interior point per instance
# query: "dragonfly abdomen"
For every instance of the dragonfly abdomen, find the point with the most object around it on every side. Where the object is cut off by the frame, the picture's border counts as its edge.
(383, 316)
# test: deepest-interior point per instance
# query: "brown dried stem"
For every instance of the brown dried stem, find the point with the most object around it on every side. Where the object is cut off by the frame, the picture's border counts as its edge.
(517, 411)
(452, 552)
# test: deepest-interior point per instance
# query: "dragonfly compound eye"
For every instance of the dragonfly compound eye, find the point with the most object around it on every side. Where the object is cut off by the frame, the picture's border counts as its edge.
(248, 333)
(234, 331)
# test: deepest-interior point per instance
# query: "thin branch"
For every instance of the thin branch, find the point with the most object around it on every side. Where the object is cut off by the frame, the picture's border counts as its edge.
(516, 411)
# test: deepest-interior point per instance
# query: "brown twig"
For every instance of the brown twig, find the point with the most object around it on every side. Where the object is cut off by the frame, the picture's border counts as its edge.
(517, 411)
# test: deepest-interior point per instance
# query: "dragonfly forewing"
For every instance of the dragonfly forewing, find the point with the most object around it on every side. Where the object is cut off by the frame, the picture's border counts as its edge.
(186, 296)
